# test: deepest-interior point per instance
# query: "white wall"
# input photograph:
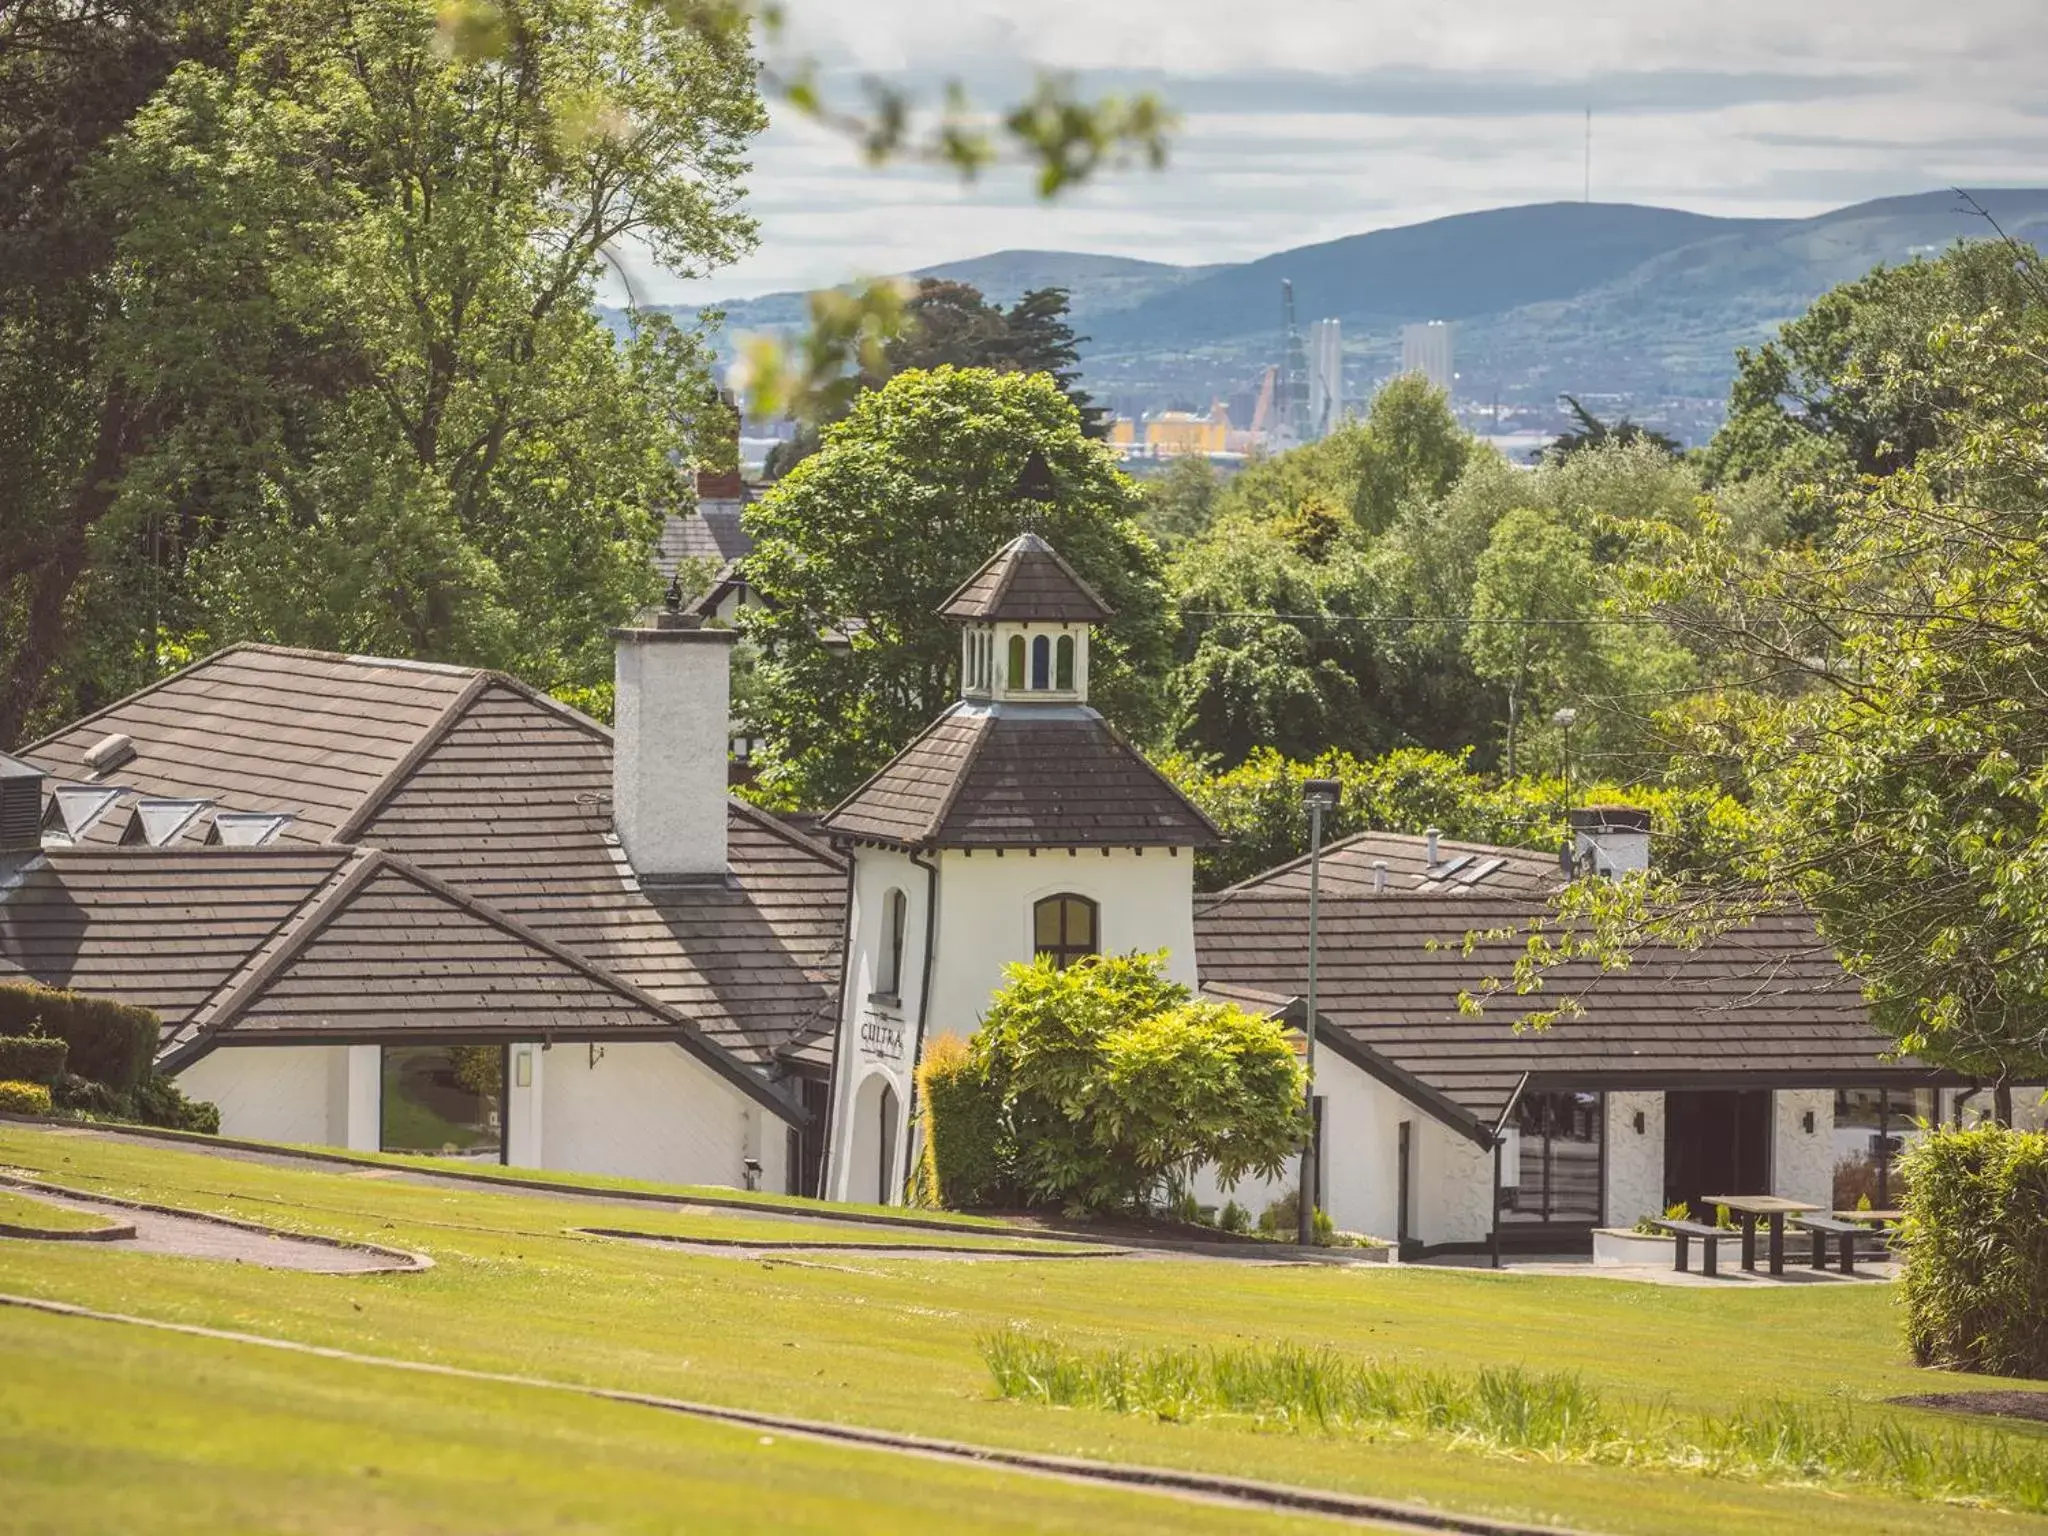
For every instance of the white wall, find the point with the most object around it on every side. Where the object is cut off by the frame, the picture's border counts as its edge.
(650, 1110)
(1803, 1162)
(293, 1093)
(1635, 1162)
(876, 1037)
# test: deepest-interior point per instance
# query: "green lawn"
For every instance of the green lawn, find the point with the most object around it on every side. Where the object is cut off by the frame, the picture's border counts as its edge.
(885, 1342)
(20, 1210)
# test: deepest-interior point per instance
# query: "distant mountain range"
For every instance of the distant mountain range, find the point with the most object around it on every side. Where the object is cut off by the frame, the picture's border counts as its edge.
(1641, 308)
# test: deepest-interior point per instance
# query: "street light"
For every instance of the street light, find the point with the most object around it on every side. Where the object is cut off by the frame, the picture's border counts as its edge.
(1564, 720)
(1318, 796)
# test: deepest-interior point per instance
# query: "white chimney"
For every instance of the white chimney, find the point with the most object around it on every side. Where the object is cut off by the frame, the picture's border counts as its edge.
(1611, 840)
(670, 728)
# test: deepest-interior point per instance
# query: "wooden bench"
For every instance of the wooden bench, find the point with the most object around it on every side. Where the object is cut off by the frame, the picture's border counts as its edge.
(1685, 1232)
(1825, 1227)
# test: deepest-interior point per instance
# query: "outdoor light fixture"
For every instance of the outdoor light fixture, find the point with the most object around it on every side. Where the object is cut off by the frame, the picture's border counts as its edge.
(1565, 719)
(1640, 1122)
(1317, 797)
(1807, 1121)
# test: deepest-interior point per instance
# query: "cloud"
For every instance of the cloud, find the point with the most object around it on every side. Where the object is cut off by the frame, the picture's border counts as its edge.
(1304, 120)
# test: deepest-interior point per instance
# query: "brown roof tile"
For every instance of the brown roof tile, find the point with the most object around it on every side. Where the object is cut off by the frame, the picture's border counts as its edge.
(1026, 581)
(1014, 776)
(1461, 869)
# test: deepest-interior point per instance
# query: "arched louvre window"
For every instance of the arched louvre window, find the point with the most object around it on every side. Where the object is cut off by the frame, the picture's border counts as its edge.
(1065, 928)
(1017, 662)
(1063, 663)
(889, 964)
(1041, 662)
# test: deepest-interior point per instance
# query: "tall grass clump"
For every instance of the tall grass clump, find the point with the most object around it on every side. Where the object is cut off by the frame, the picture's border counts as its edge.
(1507, 1408)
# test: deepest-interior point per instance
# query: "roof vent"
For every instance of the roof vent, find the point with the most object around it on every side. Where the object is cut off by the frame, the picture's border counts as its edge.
(1611, 840)
(246, 829)
(21, 806)
(157, 822)
(109, 753)
(74, 808)
(1379, 876)
(1432, 833)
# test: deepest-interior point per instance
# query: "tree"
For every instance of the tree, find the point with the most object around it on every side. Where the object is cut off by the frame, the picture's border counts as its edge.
(906, 499)
(1180, 502)
(950, 324)
(1592, 432)
(1116, 1084)
(353, 285)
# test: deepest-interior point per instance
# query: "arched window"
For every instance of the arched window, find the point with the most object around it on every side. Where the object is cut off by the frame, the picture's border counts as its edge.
(1064, 927)
(1041, 662)
(1063, 663)
(1017, 662)
(889, 963)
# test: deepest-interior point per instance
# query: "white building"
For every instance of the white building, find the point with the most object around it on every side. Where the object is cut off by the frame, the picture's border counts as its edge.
(1325, 378)
(1426, 349)
(1019, 823)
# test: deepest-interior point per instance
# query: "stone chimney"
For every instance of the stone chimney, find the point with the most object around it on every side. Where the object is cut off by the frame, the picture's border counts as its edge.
(1610, 840)
(669, 742)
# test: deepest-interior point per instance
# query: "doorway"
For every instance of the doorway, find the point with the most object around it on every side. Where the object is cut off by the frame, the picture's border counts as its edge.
(872, 1147)
(1716, 1143)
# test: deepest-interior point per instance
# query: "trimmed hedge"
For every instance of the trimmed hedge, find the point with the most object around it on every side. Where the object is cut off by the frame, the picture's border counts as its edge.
(963, 1161)
(24, 1099)
(31, 1059)
(112, 1043)
(1976, 1238)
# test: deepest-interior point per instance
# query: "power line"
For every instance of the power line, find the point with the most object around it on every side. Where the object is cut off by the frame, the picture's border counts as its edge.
(1414, 618)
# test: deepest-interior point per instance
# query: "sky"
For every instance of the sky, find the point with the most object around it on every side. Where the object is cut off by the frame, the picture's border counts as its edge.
(1304, 120)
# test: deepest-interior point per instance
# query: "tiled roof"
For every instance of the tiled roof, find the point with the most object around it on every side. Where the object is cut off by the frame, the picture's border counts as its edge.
(1765, 1003)
(709, 531)
(1461, 869)
(261, 728)
(160, 929)
(1026, 581)
(1018, 776)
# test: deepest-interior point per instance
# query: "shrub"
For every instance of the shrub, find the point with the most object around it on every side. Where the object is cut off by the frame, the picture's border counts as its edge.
(31, 1058)
(110, 1042)
(24, 1099)
(1976, 1241)
(159, 1101)
(963, 1163)
(1282, 1219)
(1116, 1084)
(1234, 1218)
(70, 1091)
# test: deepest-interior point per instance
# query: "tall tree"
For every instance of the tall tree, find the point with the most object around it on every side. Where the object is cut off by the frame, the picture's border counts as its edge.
(1592, 432)
(353, 274)
(865, 539)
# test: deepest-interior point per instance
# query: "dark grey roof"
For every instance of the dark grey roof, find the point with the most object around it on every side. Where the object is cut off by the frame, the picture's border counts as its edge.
(1763, 1004)
(1026, 581)
(709, 531)
(1020, 776)
(1461, 869)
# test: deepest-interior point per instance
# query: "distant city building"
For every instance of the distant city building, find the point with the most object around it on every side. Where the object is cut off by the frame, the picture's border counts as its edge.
(1426, 349)
(1292, 424)
(1169, 434)
(1325, 377)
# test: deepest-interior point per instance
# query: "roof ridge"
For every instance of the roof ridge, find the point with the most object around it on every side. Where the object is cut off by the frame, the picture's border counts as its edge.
(381, 792)
(944, 809)
(867, 783)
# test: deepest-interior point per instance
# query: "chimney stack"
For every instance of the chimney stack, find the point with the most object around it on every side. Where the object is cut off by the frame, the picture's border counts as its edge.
(1611, 840)
(1379, 876)
(669, 743)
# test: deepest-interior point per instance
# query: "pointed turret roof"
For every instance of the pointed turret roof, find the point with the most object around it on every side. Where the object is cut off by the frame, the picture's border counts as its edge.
(1027, 582)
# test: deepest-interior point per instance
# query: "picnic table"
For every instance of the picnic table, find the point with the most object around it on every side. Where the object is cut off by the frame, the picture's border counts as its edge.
(1749, 1209)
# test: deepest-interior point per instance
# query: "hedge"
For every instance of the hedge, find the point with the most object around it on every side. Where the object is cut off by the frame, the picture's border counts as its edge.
(1976, 1238)
(112, 1043)
(24, 1099)
(963, 1162)
(31, 1059)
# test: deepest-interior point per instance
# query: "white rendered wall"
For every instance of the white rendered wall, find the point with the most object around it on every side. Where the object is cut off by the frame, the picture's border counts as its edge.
(1144, 901)
(876, 1037)
(524, 1144)
(670, 740)
(294, 1093)
(1635, 1161)
(647, 1110)
(1803, 1162)
(1453, 1185)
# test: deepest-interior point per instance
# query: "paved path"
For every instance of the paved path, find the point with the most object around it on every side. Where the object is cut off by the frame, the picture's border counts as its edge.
(1169, 1482)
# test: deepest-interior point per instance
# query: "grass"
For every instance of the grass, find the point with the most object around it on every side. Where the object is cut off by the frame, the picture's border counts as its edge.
(886, 1342)
(20, 1210)
(1506, 1409)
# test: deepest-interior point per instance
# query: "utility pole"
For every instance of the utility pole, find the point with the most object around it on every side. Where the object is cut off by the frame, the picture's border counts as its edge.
(1318, 795)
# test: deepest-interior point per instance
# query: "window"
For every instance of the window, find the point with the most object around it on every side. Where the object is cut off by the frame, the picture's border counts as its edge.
(1063, 663)
(1017, 662)
(889, 964)
(1560, 1158)
(444, 1100)
(1041, 662)
(1064, 928)
(1872, 1127)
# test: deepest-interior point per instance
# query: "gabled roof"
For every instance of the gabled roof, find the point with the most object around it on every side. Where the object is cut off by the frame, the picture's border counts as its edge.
(1026, 582)
(711, 530)
(1461, 869)
(1020, 776)
(1762, 1005)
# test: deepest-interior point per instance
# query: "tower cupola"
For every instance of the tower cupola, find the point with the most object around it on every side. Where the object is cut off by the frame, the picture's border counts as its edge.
(1025, 621)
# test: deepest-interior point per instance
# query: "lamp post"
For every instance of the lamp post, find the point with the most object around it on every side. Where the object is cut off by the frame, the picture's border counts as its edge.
(1564, 720)
(1319, 796)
